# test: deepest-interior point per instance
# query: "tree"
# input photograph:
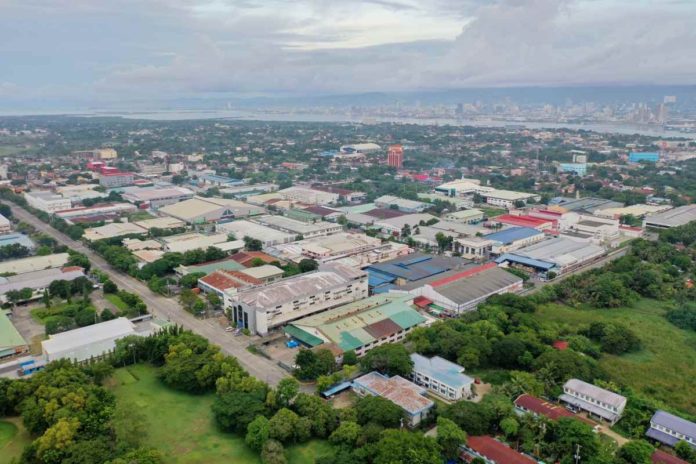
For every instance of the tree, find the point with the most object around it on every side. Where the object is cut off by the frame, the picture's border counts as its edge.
(685, 451)
(390, 359)
(253, 244)
(307, 265)
(234, 411)
(311, 364)
(350, 358)
(287, 390)
(346, 434)
(510, 427)
(140, 456)
(86, 316)
(110, 287)
(324, 419)
(636, 452)
(107, 315)
(378, 410)
(566, 434)
(258, 433)
(283, 425)
(397, 446)
(273, 453)
(450, 437)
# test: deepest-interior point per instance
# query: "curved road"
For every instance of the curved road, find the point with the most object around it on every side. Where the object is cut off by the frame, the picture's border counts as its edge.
(167, 308)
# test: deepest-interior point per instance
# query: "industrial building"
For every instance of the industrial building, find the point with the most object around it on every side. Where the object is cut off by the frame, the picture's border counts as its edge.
(198, 210)
(262, 309)
(466, 216)
(309, 196)
(97, 212)
(676, 217)
(456, 292)
(579, 169)
(11, 341)
(114, 178)
(637, 157)
(47, 201)
(16, 239)
(395, 225)
(85, 343)
(523, 220)
(354, 249)
(115, 229)
(638, 210)
(241, 192)
(586, 205)
(407, 395)
(193, 241)
(37, 281)
(413, 268)
(514, 238)
(5, 225)
(299, 228)
(475, 248)
(597, 401)
(559, 254)
(226, 264)
(243, 228)
(442, 377)
(156, 196)
(34, 263)
(360, 148)
(406, 206)
(359, 326)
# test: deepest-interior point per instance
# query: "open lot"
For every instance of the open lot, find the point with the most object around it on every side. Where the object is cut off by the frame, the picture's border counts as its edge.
(182, 425)
(664, 368)
(13, 438)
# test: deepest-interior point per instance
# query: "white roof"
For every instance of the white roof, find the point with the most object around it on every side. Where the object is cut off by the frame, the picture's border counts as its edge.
(115, 229)
(594, 392)
(38, 279)
(262, 272)
(85, 342)
(34, 263)
(192, 241)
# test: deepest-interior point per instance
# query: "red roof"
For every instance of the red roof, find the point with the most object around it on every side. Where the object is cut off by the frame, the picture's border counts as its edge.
(246, 257)
(660, 457)
(221, 281)
(560, 345)
(496, 451)
(463, 275)
(71, 269)
(541, 407)
(522, 221)
(422, 301)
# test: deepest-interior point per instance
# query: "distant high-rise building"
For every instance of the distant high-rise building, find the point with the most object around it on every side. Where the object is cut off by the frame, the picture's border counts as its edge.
(395, 157)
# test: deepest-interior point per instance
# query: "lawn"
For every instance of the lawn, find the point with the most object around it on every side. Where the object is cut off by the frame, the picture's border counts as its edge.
(13, 439)
(140, 216)
(492, 212)
(182, 425)
(664, 368)
(116, 301)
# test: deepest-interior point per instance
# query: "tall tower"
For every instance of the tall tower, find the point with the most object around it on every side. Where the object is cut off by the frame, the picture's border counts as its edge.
(395, 156)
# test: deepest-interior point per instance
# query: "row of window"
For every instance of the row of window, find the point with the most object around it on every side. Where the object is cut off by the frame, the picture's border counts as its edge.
(674, 433)
(589, 399)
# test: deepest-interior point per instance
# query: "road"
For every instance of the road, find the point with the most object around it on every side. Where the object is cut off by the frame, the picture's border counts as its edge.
(167, 308)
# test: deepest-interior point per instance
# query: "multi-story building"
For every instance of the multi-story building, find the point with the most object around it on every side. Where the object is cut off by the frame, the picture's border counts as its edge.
(579, 169)
(115, 178)
(597, 401)
(265, 308)
(670, 429)
(395, 156)
(407, 395)
(47, 201)
(5, 225)
(442, 377)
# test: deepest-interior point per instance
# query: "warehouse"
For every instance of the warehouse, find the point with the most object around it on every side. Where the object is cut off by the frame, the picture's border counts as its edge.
(243, 228)
(11, 342)
(409, 269)
(513, 238)
(198, 210)
(359, 326)
(34, 263)
(37, 281)
(309, 196)
(466, 216)
(193, 241)
(406, 206)
(458, 291)
(291, 226)
(113, 230)
(16, 239)
(85, 343)
(156, 196)
(676, 217)
(560, 254)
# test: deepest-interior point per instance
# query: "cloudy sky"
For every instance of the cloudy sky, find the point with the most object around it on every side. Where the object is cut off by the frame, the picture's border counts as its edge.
(127, 49)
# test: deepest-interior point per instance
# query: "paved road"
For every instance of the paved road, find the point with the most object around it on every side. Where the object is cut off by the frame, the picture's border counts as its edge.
(168, 308)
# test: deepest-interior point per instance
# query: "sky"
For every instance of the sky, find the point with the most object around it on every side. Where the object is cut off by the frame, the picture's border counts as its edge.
(118, 50)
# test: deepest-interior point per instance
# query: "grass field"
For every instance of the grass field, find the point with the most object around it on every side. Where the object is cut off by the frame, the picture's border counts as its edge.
(116, 301)
(13, 439)
(140, 216)
(664, 368)
(182, 425)
(491, 212)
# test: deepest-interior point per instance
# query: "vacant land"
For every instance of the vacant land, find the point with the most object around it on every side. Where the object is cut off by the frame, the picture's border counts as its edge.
(116, 301)
(491, 212)
(664, 368)
(13, 439)
(182, 425)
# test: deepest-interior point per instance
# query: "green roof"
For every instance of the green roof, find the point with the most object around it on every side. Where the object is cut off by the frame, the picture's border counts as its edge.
(345, 325)
(9, 337)
(223, 264)
(305, 337)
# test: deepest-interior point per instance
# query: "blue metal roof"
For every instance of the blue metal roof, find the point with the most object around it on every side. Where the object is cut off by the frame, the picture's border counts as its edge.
(512, 234)
(531, 262)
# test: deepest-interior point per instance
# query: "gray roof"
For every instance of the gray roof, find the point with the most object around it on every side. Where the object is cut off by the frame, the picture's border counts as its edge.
(674, 217)
(561, 251)
(477, 286)
(441, 370)
(674, 423)
(599, 394)
(38, 279)
(587, 406)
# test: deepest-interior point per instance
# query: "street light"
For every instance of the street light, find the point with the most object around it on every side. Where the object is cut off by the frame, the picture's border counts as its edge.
(132, 347)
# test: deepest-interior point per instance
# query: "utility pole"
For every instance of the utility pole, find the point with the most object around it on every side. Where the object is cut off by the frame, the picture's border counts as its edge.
(577, 454)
